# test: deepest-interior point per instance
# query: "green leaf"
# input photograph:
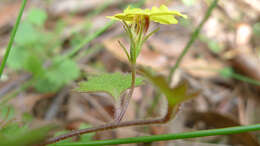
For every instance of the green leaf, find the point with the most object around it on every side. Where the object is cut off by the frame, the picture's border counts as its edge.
(226, 72)
(11, 128)
(27, 34)
(27, 117)
(114, 84)
(214, 46)
(30, 49)
(63, 70)
(174, 95)
(7, 112)
(43, 85)
(17, 58)
(34, 65)
(37, 16)
(60, 73)
(8, 124)
(25, 137)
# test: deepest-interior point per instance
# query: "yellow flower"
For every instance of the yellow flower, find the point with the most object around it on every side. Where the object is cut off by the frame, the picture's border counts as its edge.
(161, 15)
(136, 22)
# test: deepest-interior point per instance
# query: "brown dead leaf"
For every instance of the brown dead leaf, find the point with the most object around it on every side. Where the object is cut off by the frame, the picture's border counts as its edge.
(201, 67)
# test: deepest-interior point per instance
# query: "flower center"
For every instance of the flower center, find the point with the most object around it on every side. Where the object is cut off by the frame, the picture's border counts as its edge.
(141, 23)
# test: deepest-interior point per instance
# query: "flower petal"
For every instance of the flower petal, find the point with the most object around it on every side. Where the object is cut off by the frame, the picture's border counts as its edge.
(167, 19)
(161, 15)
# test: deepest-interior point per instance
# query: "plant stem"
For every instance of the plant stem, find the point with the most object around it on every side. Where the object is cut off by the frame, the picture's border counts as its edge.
(115, 125)
(127, 99)
(194, 36)
(8, 49)
(164, 137)
(121, 110)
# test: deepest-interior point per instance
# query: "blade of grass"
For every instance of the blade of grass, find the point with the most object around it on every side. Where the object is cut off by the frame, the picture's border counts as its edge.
(194, 36)
(228, 72)
(231, 74)
(245, 79)
(89, 38)
(8, 49)
(165, 137)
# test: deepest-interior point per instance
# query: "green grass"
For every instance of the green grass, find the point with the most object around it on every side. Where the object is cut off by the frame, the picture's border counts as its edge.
(165, 137)
(194, 37)
(8, 49)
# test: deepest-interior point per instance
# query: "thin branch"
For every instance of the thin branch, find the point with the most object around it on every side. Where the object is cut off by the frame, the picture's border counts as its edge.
(168, 116)
(88, 39)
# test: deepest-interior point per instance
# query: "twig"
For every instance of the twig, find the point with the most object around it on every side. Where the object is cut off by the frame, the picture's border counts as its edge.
(170, 112)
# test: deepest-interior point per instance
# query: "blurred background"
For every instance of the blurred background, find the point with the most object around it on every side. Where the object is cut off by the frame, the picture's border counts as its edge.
(62, 42)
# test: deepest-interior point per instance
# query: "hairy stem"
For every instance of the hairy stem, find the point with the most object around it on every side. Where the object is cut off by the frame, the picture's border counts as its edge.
(126, 99)
(170, 112)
